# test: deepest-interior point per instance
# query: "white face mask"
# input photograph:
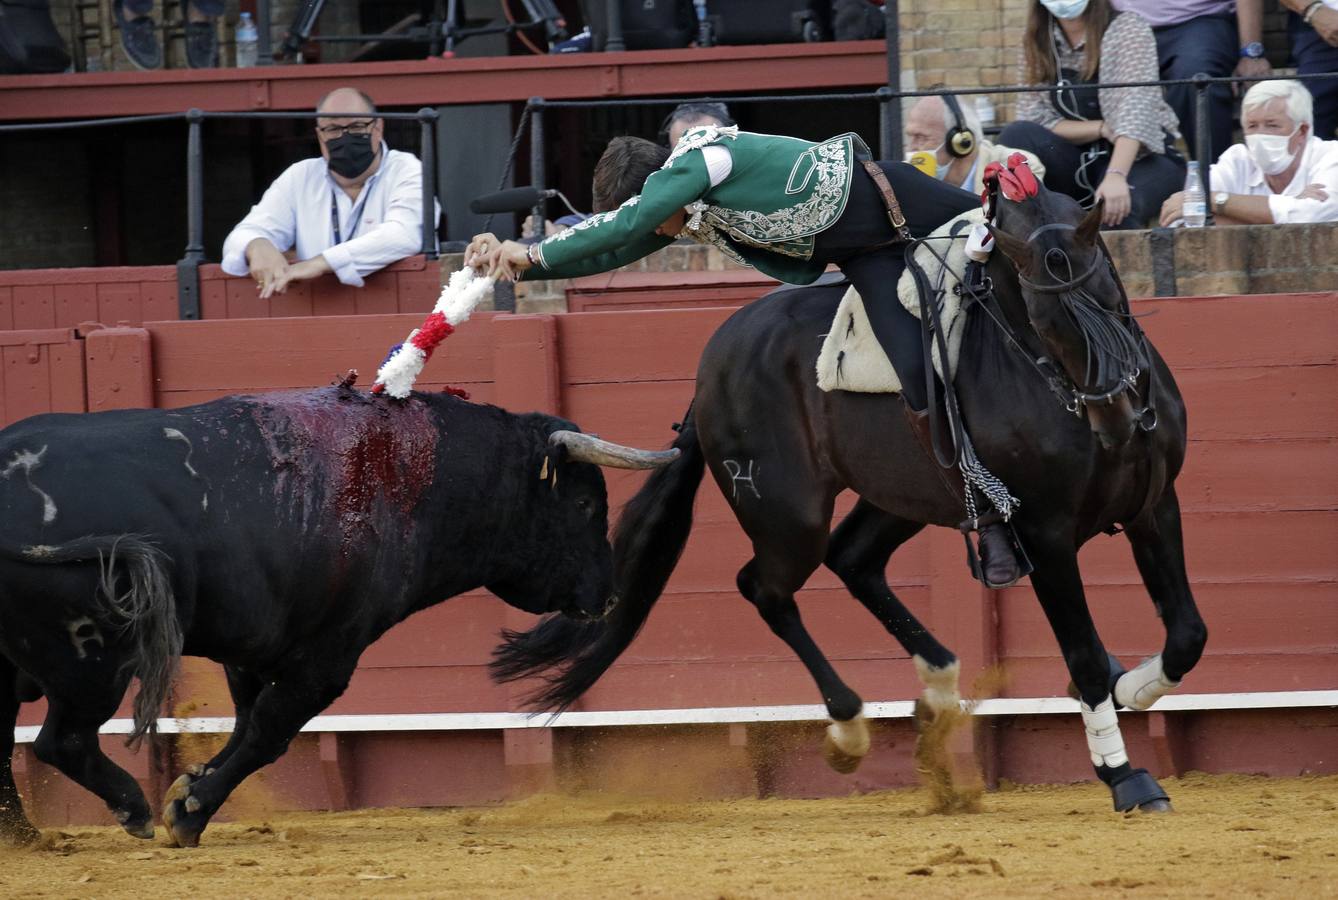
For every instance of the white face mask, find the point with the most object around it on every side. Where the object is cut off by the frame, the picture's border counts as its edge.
(1065, 9)
(1269, 151)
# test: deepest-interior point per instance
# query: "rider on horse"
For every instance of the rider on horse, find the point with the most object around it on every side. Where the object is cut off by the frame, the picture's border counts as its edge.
(787, 207)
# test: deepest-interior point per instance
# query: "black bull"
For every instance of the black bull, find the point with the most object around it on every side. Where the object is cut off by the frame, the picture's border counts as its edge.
(278, 535)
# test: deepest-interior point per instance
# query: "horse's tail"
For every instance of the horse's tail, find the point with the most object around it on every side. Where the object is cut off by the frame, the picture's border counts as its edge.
(647, 544)
(145, 611)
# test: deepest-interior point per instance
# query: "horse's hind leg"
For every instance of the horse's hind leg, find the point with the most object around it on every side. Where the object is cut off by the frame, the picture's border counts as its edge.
(789, 535)
(858, 553)
(14, 825)
(1160, 553)
(1058, 586)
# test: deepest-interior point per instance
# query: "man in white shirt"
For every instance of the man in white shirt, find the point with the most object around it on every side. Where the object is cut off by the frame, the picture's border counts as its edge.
(352, 211)
(952, 132)
(1281, 174)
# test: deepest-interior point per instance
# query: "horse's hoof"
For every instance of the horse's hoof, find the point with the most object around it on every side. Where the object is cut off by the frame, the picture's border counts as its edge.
(182, 815)
(1156, 806)
(142, 830)
(846, 745)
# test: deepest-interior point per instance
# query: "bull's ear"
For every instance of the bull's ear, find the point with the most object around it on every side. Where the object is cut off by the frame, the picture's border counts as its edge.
(1016, 249)
(1090, 226)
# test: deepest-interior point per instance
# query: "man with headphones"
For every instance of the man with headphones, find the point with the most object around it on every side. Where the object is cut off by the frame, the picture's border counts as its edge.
(944, 139)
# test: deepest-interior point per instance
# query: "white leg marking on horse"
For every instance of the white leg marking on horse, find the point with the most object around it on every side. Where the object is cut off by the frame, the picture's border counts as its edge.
(850, 737)
(1144, 684)
(83, 631)
(941, 684)
(738, 475)
(1104, 741)
(27, 461)
(173, 434)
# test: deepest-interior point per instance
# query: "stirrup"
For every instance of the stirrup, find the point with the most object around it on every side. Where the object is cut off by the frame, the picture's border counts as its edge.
(1024, 566)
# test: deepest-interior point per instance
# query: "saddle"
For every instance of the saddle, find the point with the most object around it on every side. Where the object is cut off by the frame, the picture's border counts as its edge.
(852, 359)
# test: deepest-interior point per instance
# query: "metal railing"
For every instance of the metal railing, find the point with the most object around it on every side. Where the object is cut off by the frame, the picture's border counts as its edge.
(188, 267)
(889, 118)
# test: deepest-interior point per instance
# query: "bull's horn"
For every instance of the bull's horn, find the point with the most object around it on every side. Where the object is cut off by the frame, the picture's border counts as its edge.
(588, 448)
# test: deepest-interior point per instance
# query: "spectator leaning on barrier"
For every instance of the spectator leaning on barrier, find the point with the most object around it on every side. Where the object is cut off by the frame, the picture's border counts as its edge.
(961, 151)
(139, 34)
(1312, 27)
(1281, 174)
(1215, 37)
(1111, 143)
(356, 209)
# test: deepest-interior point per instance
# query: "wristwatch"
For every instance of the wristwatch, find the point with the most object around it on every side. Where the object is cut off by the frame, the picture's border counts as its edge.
(1252, 50)
(1220, 200)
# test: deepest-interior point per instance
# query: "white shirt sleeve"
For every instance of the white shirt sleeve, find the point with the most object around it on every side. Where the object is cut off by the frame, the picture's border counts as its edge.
(718, 163)
(1322, 170)
(397, 235)
(273, 218)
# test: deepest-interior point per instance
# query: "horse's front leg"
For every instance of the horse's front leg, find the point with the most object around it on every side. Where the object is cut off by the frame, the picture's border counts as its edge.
(1058, 586)
(1160, 553)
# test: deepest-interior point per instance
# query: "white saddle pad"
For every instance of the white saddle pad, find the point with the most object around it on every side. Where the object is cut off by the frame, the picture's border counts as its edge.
(852, 359)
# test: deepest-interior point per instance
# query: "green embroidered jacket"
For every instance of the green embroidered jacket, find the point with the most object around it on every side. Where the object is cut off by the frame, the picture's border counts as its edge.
(779, 194)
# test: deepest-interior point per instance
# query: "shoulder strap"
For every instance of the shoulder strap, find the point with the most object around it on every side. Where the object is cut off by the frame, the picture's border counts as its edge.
(889, 199)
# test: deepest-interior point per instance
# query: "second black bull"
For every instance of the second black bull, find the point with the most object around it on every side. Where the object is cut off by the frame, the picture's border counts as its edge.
(279, 535)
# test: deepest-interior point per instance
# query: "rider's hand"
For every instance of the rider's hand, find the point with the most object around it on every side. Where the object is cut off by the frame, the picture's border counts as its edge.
(1172, 209)
(509, 260)
(1115, 191)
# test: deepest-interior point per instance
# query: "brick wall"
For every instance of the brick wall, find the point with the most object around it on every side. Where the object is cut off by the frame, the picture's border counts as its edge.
(977, 43)
(1253, 259)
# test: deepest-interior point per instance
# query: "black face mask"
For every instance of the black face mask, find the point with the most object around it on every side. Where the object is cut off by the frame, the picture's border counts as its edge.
(351, 155)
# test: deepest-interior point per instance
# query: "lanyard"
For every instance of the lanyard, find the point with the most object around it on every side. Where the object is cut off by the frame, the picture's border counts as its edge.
(356, 218)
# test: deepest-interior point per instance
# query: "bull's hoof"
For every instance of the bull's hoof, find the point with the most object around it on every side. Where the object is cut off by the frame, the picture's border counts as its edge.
(846, 744)
(18, 832)
(182, 814)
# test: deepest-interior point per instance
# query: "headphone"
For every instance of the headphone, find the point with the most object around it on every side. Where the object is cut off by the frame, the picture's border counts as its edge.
(959, 141)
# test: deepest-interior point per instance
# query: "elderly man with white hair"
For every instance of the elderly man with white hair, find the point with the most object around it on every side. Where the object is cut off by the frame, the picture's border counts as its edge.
(1281, 174)
(942, 125)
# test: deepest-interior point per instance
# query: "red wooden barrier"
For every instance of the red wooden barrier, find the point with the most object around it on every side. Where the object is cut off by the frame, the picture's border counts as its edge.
(66, 298)
(1259, 492)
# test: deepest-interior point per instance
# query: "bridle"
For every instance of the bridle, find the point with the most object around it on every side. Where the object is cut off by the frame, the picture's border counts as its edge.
(1105, 332)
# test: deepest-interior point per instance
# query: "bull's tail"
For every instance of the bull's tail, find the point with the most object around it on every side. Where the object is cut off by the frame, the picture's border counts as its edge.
(134, 596)
(647, 543)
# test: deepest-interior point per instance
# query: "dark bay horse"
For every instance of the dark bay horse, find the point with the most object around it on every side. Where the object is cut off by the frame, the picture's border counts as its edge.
(1057, 339)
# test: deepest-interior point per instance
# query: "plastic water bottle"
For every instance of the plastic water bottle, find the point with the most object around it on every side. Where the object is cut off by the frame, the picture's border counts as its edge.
(1195, 208)
(247, 41)
(985, 112)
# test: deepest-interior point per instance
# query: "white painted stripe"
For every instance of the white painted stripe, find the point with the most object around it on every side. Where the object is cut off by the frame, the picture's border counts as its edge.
(716, 715)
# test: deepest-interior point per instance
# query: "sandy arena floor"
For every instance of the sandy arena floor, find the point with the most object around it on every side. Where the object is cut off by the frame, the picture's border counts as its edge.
(1231, 836)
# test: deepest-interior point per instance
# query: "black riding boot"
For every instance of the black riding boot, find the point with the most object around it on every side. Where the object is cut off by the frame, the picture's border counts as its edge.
(999, 564)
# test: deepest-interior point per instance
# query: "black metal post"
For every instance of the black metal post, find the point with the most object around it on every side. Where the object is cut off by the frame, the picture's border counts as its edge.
(1203, 142)
(538, 161)
(891, 120)
(613, 42)
(428, 117)
(885, 133)
(188, 267)
(264, 48)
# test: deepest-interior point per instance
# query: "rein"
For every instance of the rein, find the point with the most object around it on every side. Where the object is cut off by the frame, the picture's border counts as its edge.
(1101, 329)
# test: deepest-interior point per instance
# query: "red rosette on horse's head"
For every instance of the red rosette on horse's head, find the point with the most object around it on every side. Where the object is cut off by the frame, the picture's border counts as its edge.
(1015, 180)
